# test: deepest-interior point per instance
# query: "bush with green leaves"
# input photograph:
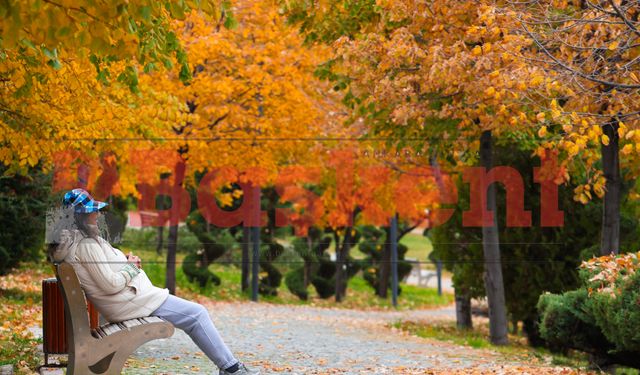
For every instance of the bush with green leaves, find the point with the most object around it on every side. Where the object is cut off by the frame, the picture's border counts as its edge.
(375, 245)
(534, 259)
(602, 317)
(311, 249)
(214, 241)
(318, 268)
(270, 277)
(24, 201)
(324, 280)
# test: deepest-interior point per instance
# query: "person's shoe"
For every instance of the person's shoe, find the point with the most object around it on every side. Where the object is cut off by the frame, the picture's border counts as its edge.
(242, 370)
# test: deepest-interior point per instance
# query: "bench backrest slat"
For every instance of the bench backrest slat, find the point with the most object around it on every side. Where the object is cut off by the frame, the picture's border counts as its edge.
(76, 304)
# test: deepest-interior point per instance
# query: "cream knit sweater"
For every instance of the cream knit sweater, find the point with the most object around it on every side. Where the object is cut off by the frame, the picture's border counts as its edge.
(117, 288)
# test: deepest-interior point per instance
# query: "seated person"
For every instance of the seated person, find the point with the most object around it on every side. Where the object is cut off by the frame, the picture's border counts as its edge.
(120, 289)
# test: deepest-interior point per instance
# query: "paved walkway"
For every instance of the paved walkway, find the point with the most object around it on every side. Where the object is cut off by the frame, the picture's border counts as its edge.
(310, 340)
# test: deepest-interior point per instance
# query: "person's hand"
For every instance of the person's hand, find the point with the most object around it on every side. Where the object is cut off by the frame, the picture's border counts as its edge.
(134, 259)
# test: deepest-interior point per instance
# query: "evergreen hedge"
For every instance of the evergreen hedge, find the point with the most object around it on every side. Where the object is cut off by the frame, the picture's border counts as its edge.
(602, 317)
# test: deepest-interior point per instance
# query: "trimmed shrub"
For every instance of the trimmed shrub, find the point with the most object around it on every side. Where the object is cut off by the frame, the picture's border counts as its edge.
(325, 279)
(614, 301)
(565, 323)
(374, 243)
(603, 316)
(294, 280)
(271, 277)
(214, 241)
(310, 249)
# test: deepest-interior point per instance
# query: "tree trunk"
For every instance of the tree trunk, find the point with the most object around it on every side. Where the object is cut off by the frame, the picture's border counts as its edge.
(161, 206)
(611, 210)
(339, 270)
(341, 256)
(463, 309)
(170, 281)
(174, 220)
(307, 265)
(246, 239)
(493, 282)
(160, 244)
(346, 247)
(385, 266)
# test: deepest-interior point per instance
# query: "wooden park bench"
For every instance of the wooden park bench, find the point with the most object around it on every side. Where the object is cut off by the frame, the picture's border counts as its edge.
(105, 349)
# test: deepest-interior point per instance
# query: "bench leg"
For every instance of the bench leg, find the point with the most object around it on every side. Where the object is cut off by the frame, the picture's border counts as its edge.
(107, 356)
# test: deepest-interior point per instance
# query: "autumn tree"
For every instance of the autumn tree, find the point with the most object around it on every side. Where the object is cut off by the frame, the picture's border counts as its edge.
(537, 259)
(440, 77)
(56, 115)
(48, 70)
(69, 75)
(394, 183)
(355, 191)
(251, 97)
(136, 33)
(591, 47)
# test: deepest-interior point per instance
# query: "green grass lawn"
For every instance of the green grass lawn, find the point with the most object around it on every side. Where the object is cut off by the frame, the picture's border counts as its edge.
(518, 350)
(478, 338)
(359, 294)
(419, 247)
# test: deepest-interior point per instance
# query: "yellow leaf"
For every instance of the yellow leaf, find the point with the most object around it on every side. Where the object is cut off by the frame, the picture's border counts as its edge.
(622, 129)
(477, 51)
(627, 149)
(490, 91)
(613, 46)
(583, 199)
(540, 116)
(629, 134)
(535, 81)
(573, 149)
(542, 132)
(605, 140)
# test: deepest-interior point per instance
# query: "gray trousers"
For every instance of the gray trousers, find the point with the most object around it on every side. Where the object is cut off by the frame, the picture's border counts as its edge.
(193, 319)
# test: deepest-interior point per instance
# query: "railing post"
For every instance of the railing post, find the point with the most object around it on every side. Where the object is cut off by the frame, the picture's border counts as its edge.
(255, 261)
(394, 259)
(439, 274)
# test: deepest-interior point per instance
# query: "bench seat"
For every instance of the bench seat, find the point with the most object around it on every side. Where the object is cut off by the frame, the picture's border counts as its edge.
(111, 328)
